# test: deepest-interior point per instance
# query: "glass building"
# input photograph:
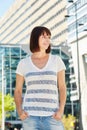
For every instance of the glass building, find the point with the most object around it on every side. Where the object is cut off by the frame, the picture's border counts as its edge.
(77, 38)
(9, 58)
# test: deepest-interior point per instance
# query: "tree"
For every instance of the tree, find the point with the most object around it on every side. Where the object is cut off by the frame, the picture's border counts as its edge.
(9, 105)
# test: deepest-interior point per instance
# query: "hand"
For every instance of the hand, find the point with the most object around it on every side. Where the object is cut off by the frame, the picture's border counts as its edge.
(58, 115)
(23, 115)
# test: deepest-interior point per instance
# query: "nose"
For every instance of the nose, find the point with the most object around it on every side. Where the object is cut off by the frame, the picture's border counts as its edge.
(47, 38)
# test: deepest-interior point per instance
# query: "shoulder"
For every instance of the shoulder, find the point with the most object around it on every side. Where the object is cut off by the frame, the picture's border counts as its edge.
(56, 57)
(22, 66)
(58, 62)
(24, 60)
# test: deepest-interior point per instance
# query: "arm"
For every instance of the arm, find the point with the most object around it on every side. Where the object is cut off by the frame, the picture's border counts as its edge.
(62, 94)
(62, 90)
(18, 96)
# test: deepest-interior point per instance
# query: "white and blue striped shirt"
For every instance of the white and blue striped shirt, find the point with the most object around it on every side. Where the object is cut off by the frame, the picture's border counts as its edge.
(41, 97)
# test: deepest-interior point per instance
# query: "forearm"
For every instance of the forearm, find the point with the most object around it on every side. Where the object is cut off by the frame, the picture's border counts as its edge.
(62, 93)
(18, 101)
(62, 96)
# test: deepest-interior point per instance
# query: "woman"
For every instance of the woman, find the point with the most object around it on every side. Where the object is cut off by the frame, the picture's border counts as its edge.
(44, 74)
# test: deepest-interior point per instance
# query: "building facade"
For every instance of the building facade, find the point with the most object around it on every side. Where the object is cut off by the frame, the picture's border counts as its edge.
(16, 25)
(77, 38)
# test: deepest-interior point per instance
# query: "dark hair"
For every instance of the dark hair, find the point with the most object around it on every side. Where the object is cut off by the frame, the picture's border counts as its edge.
(35, 34)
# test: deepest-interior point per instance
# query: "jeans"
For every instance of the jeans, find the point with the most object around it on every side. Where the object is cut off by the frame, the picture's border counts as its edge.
(42, 123)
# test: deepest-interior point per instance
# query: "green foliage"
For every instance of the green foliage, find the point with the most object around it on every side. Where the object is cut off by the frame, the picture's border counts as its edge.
(9, 104)
(69, 122)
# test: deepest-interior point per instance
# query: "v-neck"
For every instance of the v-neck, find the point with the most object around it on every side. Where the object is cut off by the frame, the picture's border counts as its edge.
(40, 69)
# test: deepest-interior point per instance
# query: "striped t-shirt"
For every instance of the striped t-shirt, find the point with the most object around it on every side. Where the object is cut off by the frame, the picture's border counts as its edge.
(41, 97)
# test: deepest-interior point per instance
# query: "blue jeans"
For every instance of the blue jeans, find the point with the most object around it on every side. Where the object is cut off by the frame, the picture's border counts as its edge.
(42, 123)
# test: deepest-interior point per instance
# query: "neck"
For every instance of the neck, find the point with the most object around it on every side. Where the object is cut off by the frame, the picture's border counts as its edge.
(40, 54)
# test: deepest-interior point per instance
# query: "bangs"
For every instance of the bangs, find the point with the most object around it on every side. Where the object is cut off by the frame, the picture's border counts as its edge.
(46, 31)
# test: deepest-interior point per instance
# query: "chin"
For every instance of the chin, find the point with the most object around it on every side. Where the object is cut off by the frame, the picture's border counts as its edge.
(46, 46)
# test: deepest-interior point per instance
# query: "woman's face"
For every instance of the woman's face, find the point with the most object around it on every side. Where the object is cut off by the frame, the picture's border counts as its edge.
(44, 41)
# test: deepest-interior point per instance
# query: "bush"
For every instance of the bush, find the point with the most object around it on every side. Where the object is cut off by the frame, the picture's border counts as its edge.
(69, 122)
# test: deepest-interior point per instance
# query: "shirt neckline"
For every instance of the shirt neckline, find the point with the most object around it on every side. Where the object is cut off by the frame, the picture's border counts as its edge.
(40, 69)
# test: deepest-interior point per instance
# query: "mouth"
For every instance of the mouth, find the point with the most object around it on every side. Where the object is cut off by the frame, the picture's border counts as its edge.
(47, 43)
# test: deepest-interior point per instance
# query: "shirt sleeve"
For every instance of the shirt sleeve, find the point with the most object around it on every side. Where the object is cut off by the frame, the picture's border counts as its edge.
(60, 64)
(20, 68)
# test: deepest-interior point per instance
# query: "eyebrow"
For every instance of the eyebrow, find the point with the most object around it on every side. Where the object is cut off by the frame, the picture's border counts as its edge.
(46, 34)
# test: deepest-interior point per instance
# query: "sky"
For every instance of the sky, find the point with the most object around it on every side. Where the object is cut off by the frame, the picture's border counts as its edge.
(4, 6)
